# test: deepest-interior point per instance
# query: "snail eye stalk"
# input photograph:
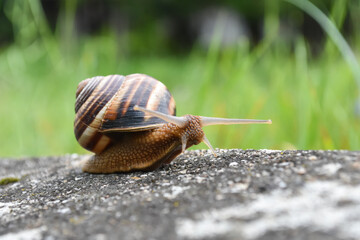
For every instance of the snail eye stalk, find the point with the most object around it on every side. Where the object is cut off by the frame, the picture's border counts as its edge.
(179, 121)
(206, 121)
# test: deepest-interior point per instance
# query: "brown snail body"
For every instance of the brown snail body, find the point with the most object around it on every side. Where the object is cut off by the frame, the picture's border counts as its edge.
(129, 123)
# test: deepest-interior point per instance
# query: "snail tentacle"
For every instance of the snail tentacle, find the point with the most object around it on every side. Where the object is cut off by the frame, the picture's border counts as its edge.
(207, 121)
(207, 142)
(179, 121)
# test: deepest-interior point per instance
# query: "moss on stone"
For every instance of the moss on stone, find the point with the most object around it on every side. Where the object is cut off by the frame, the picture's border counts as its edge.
(8, 180)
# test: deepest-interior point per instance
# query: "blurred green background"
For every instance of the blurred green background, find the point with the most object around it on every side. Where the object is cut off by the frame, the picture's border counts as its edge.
(240, 59)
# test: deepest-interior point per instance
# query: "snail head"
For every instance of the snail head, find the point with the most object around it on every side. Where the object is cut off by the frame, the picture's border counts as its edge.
(189, 120)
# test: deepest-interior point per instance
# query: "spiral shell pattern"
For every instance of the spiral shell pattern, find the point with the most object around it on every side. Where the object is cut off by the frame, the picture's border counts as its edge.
(104, 108)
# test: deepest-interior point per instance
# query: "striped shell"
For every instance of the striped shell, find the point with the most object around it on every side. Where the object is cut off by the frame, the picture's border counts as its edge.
(104, 108)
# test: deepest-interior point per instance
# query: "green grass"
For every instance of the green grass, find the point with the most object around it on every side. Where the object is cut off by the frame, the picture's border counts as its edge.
(310, 100)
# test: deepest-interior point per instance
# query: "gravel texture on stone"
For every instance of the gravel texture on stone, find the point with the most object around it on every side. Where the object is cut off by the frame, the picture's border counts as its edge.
(240, 194)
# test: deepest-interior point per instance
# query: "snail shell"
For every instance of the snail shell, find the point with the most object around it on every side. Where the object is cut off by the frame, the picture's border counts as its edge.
(104, 108)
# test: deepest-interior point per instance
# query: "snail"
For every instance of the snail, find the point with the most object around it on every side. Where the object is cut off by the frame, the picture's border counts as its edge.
(129, 123)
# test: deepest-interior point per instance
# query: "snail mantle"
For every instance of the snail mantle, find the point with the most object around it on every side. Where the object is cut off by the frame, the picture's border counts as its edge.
(241, 194)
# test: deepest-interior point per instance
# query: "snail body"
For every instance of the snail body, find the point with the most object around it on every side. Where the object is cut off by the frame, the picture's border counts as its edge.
(129, 123)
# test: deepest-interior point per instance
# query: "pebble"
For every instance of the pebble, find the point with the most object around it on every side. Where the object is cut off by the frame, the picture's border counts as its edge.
(300, 170)
(234, 165)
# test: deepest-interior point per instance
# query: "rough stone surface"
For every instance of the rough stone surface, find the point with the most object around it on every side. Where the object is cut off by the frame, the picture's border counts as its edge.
(241, 194)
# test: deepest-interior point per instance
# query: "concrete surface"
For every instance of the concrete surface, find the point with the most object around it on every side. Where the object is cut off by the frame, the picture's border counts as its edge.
(241, 194)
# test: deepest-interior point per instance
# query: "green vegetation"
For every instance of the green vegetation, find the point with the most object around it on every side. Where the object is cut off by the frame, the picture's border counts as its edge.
(311, 100)
(8, 180)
